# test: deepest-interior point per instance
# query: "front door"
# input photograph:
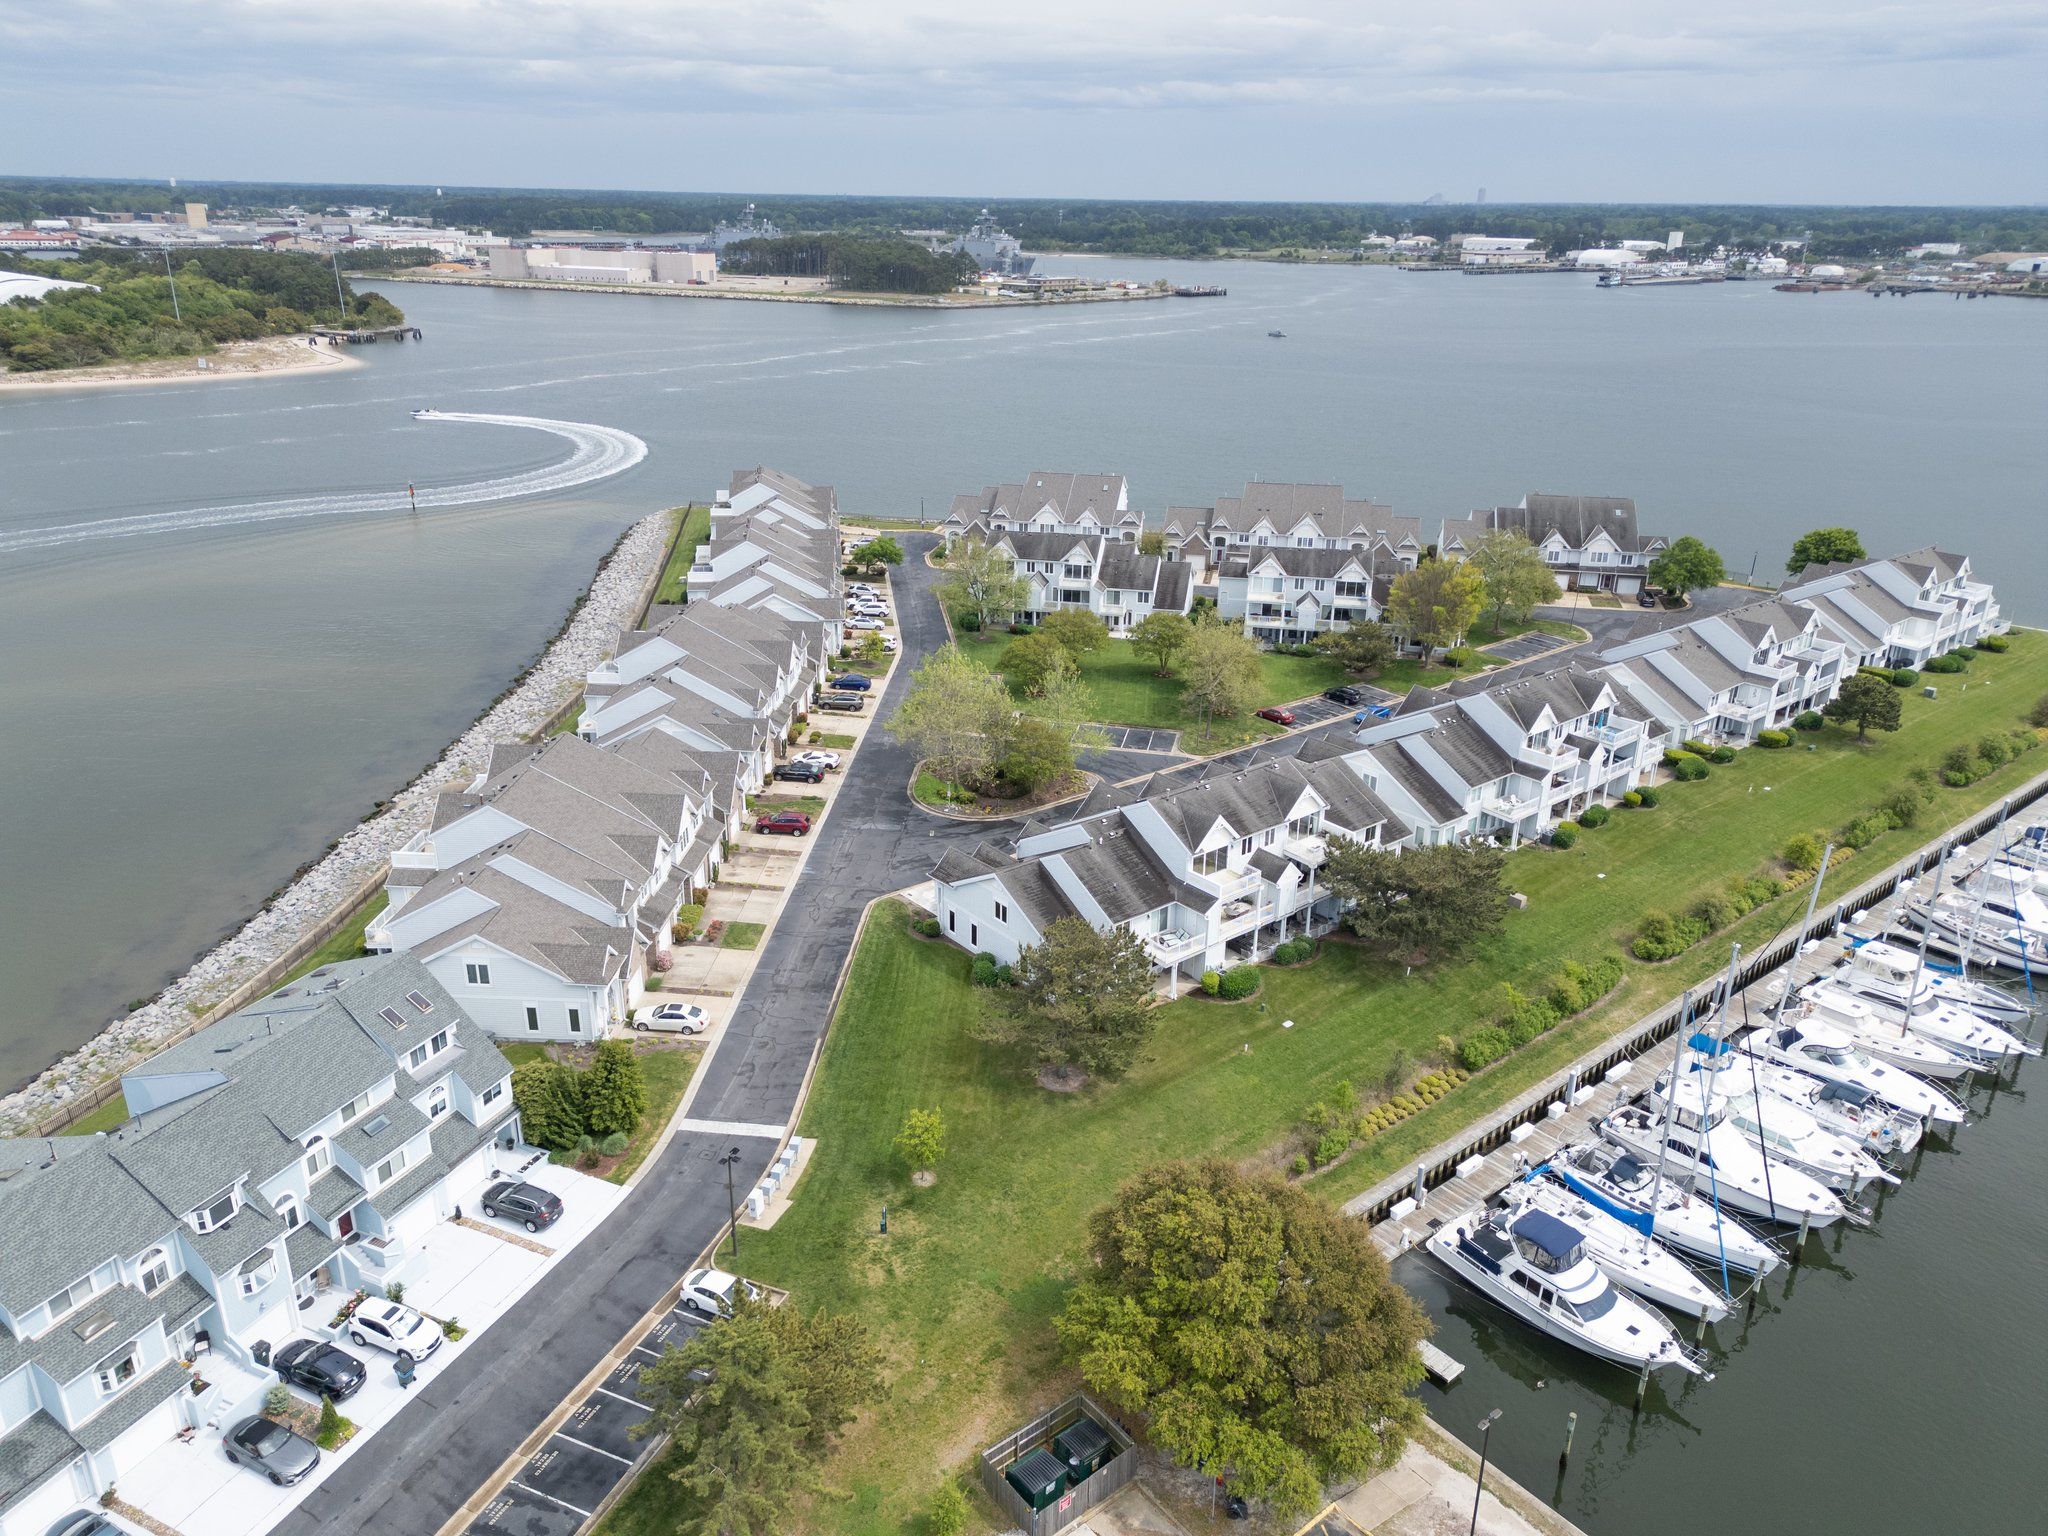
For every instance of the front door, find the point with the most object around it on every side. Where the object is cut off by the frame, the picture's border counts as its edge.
(345, 1227)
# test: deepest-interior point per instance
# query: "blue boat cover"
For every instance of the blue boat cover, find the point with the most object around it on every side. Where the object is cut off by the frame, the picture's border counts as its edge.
(1707, 1045)
(1557, 1238)
(1848, 1093)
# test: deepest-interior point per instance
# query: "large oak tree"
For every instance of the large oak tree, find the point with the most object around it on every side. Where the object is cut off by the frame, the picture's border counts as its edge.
(1437, 898)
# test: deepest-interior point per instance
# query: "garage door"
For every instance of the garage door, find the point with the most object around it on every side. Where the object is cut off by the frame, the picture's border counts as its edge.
(150, 1433)
(39, 1511)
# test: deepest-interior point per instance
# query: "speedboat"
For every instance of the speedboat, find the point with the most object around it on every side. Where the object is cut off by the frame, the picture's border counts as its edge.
(425, 413)
(1276, 334)
(1787, 1134)
(1832, 1056)
(1628, 1189)
(1534, 1265)
(1887, 1040)
(1884, 973)
(1626, 1256)
(1722, 1159)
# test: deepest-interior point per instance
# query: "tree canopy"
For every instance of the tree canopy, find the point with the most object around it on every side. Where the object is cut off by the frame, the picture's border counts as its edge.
(880, 550)
(1437, 898)
(860, 263)
(1687, 566)
(980, 580)
(1361, 648)
(1435, 604)
(1083, 999)
(1253, 1325)
(1517, 579)
(1035, 660)
(955, 714)
(1868, 703)
(1219, 672)
(1161, 636)
(1824, 546)
(1076, 629)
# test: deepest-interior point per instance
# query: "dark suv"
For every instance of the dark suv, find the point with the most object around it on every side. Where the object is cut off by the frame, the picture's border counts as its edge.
(1344, 693)
(319, 1367)
(526, 1203)
(802, 773)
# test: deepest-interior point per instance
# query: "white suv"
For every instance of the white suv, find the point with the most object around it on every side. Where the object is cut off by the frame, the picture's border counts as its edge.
(710, 1291)
(395, 1329)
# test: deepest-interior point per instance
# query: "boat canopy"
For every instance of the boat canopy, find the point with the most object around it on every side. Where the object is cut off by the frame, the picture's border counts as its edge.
(1557, 1240)
(1707, 1045)
(1847, 1093)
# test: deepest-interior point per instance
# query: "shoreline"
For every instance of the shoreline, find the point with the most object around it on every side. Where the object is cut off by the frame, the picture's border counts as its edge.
(333, 882)
(270, 357)
(677, 291)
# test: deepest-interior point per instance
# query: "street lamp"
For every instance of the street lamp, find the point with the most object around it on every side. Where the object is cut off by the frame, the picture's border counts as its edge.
(728, 1162)
(1485, 1434)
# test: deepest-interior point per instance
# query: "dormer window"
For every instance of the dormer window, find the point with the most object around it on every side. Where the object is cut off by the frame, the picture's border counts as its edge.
(437, 1102)
(250, 1281)
(118, 1369)
(156, 1271)
(419, 1055)
(356, 1107)
(217, 1212)
(71, 1298)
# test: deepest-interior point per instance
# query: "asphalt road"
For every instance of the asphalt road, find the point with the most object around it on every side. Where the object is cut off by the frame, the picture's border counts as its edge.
(472, 1414)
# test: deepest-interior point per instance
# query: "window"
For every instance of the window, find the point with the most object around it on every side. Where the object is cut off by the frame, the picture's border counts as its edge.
(477, 973)
(533, 1020)
(437, 1102)
(391, 1167)
(319, 1156)
(417, 1057)
(356, 1107)
(156, 1271)
(118, 1369)
(1212, 861)
(1002, 912)
(974, 933)
(288, 1212)
(1302, 826)
(1245, 846)
(217, 1213)
(419, 1001)
(253, 1280)
(494, 1093)
(575, 1021)
(71, 1298)
(392, 1017)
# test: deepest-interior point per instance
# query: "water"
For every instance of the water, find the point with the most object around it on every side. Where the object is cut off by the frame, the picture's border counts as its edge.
(1892, 1383)
(195, 713)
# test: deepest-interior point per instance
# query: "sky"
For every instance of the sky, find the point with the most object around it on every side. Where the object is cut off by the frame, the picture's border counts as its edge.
(1939, 101)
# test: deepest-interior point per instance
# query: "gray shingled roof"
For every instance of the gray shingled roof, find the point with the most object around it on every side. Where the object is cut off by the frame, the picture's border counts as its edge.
(32, 1452)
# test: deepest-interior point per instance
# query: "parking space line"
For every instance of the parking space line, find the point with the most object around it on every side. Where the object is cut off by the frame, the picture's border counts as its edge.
(618, 1396)
(732, 1128)
(558, 1503)
(598, 1449)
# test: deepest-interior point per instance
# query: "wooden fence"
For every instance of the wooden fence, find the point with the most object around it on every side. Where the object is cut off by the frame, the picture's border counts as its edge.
(1070, 1506)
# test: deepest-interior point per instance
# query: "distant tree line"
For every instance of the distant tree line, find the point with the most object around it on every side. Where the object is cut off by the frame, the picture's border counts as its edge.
(1140, 228)
(864, 264)
(222, 295)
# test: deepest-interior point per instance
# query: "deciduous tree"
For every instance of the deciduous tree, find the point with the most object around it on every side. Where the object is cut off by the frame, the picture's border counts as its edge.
(1434, 604)
(752, 1404)
(1078, 630)
(1219, 672)
(1152, 542)
(1160, 636)
(955, 714)
(1254, 1326)
(1687, 566)
(1437, 898)
(880, 550)
(1516, 579)
(922, 1141)
(1035, 659)
(1361, 648)
(1083, 999)
(981, 581)
(1824, 546)
(1868, 703)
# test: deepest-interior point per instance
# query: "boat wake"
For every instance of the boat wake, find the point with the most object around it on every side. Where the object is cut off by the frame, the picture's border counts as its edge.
(596, 453)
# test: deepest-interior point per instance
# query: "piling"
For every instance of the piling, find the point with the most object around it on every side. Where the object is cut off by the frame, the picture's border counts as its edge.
(1642, 1385)
(1571, 1428)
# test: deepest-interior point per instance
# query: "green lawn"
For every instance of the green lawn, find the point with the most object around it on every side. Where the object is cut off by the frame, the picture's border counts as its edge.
(742, 935)
(666, 1068)
(345, 943)
(963, 1288)
(695, 528)
(109, 1116)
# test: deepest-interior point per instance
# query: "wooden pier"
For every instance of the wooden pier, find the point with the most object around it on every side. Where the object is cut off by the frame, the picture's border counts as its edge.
(364, 335)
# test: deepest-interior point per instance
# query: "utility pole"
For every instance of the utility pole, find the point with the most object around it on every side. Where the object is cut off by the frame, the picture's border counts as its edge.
(340, 308)
(175, 315)
(1479, 1492)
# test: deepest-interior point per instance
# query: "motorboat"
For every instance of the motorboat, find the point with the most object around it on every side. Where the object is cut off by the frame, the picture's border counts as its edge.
(1787, 1134)
(1832, 1056)
(1628, 1257)
(1670, 1210)
(1884, 973)
(425, 413)
(1829, 1007)
(1978, 1041)
(1722, 1159)
(1964, 925)
(2008, 891)
(1535, 1266)
(1847, 1109)
(1276, 335)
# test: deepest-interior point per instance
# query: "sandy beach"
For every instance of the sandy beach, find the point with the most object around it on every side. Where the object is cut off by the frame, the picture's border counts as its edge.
(233, 360)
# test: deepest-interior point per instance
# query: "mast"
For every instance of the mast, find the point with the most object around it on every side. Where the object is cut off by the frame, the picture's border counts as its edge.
(1806, 922)
(1926, 933)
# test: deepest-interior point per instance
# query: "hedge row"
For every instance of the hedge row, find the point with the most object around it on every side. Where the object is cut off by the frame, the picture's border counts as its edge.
(1966, 763)
(1333, 1124)
(1575, 988)
(1233, 985)
(987, 971)
(1664, 936)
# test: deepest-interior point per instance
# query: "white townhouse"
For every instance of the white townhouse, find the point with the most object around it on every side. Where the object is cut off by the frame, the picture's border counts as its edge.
(774, 546)
(1046, 502)
(1283, 594)
(1272, 515)
(1903, 610)
(1206, 866)
(275, 1162)
(738, 658)
(1102, 576)
(1590, 543)
(1726, 677)
(541, 887)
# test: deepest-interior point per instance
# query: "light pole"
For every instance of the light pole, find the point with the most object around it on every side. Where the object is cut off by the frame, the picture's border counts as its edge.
(728, 1162)
(1485, 1434)
(175, 314)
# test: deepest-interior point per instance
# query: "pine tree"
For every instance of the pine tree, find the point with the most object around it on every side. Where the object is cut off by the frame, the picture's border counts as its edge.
(614, 1096)
(550, 1109)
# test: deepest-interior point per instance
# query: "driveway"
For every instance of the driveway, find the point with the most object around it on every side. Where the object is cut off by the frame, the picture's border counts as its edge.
(462, 1424)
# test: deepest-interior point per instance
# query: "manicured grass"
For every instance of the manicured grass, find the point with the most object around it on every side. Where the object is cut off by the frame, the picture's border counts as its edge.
(695, 525)
(929, 789)
(810, 805)
(1483, 632)
(665, 1069)
(1129, 691)
(838, 741)
(742, 935)
(567, 724)
(110, 1116)
(962, 1290)
(520, 1052)
(345, 943)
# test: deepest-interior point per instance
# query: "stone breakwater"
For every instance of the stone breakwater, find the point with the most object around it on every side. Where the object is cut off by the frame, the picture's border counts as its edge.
(612, 601)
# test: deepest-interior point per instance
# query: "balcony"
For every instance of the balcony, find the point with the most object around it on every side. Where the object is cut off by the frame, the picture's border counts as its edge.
(409, 857)
(1228, 884)
(1173, 946)
(1311, 850)
(1506, 808)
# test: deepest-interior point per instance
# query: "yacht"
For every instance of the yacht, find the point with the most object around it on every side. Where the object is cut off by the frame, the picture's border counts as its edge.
(1826, 1006)
(1849, 1110)
(1978, 1041)
(1991, 931)
(1628, 1188)
(1832, 1056)
(1884, 973)
(1789, 1136)
(1722, 1160)
(1535, 1266)
(1626, 1256)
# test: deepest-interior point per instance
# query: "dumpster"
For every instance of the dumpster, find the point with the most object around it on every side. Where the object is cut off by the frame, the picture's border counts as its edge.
(1038, 1478)
(1085, 1447)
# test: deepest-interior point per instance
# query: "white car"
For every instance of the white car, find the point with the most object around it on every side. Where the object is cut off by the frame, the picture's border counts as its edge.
(891, 644)
(710, 1291)
(863, 621)
(829, 761)
(672, 1019)
(862, 589)
(392, 1328)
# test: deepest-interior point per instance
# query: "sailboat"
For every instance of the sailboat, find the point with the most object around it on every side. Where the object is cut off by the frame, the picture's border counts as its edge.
(1628, 1189)
(1792, 1139)
(1978, 1042)
(1627, 1256)
(1696, 1135)
(1826, 1006)
(1882, 972)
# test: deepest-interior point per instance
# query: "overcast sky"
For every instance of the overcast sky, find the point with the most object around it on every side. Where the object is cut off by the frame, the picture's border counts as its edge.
(1938, 101)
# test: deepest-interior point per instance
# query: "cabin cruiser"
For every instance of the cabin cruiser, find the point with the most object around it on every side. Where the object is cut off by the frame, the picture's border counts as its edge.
(1534, 1265)
(1628, 1189)
(1721, 1158)
(1978, 1041)
(1832, 1056)
(1829, 1007)
(1989, 931)
(1625, 1255)
(1789, 1136)
(1847, 1109)
(1885, 973)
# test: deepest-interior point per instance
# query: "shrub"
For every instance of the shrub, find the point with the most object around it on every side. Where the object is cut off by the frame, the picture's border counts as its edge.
(1802, 851)
(1945, 665)
(1959, 767)
(969, 623)
(1300, 1165)
(1722, 754)
(1240, 981)
(1997, 645)
(332, 1428)
(1594, 816)
(1482, 1048)
(1968, 653)
(1808, 720)
(1901, 807)
(1633, 799)
(1649, 794)
(1564, 834)
(1023, 629)
(1865, 830)
(1697, 747)
(1688, 770)
(1716, 910)
(1994, 752)
(277, 1402)
(983, 972)
(928, 926)
(689, 917)
(1212, 982)
(614, 1145)
(1771, 741)
(1901, 677)
(1662, 936)
(1294, 951)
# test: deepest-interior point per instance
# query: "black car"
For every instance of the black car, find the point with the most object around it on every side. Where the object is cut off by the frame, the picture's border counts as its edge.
(273, 1450)
(1344, 693)
(319, 1367)
(855, 681)
(527, 1203)
(1646, 599)
(802, 773)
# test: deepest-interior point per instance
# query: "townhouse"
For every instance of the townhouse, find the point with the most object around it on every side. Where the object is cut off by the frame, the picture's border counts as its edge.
(1900, 611)
(275, 1162)
(1590, 543)
(1273, 515)
(1728, 676)
(1205, 866)
(1094, 574)
(1088, 505)
(1287, 595)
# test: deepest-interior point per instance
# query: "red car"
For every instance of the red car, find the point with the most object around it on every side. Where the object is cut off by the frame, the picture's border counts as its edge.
(1277, 715)
(790, 823)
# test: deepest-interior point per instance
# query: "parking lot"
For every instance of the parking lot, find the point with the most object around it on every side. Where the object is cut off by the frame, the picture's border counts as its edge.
(1320, 711)
(1133, 738)
(1527, 647)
